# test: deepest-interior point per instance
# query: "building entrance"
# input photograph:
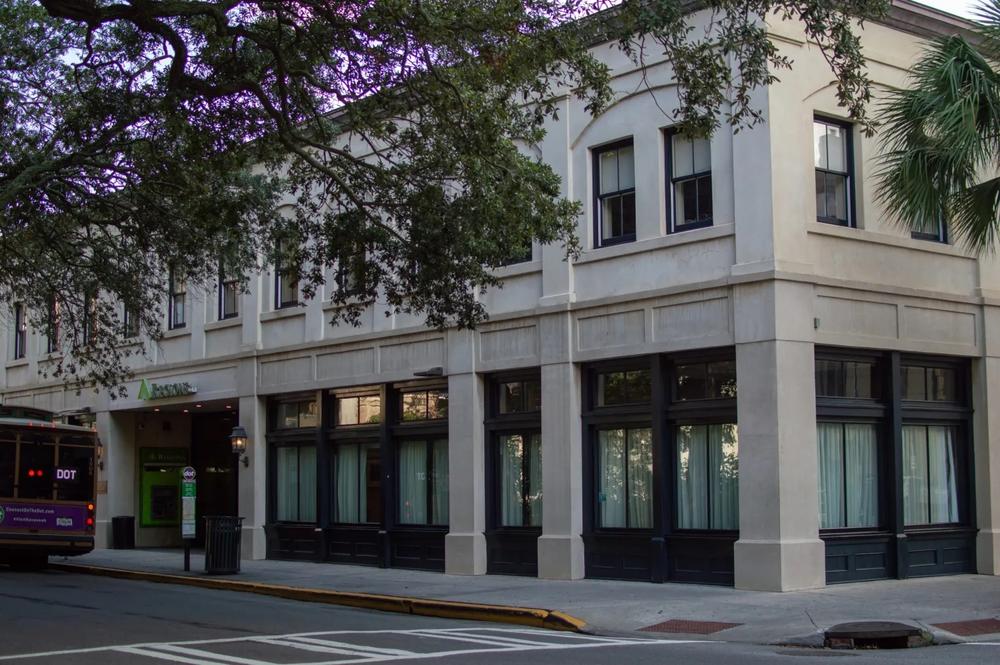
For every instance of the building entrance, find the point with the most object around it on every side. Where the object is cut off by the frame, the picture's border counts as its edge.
(215, 464)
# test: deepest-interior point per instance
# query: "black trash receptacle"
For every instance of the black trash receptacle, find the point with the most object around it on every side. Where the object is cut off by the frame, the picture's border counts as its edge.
(222, 544)
(123, 532)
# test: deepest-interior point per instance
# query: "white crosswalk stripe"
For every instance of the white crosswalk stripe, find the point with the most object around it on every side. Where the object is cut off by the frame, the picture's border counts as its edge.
(349, 647)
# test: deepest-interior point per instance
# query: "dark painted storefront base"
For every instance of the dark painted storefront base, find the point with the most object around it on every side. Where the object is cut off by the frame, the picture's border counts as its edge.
(879, 556)
(417, 548)
(699, 558)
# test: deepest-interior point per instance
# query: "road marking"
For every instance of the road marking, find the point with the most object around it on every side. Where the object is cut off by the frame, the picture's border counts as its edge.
(490, 640)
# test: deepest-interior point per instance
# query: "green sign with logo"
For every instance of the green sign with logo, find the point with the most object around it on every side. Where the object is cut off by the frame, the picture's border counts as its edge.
(148, 391)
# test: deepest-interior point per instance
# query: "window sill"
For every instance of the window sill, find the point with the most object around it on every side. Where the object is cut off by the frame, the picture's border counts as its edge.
(284, 313)
(329, 305)
(517, 269)
(652, 244)
(176, 333)
(17, 362)
(862, 235)
(222, 324)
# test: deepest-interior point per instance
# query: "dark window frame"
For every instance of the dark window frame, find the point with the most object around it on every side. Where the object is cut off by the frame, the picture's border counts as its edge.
(400, 431)
(20, 331)
(52, 327)
(284, 437)
(228, 283)
(596, 152)
(672, 182)
(517, 423)
(940, 235)
(130, 322)
(848, 127)
(173, 296)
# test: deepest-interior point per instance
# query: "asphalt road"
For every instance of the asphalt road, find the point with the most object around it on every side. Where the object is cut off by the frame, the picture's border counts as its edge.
(55, 617)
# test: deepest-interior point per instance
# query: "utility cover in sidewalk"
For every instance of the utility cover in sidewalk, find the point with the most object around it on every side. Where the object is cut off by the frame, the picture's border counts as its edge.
(689, 627)
(876, 635)
(970, 628)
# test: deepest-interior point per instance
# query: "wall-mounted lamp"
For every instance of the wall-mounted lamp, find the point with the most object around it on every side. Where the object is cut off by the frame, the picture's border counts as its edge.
(239, 441)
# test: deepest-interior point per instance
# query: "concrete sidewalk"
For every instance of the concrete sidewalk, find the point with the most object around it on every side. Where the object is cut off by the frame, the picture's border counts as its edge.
(614, 607)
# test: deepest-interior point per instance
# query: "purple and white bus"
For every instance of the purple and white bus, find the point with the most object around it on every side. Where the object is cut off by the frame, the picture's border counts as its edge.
(47, 487)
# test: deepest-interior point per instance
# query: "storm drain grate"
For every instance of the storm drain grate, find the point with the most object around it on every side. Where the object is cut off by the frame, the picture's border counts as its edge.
(689, 627)
(875, 635)
(972, 627)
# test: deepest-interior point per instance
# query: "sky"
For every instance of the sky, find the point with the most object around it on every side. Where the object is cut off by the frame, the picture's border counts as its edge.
(959, 7)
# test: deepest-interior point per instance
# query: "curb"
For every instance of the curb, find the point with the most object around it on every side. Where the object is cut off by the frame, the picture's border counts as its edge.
(446, 609)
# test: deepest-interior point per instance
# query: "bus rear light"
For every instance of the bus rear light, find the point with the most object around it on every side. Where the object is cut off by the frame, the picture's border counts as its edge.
(90, 521)
(90, 507)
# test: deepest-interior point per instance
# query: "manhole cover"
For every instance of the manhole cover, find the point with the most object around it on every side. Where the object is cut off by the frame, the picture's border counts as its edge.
(690, 627)
(875, 635)
(972, 627)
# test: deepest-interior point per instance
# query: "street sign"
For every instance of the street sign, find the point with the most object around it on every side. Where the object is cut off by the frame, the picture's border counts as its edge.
(188, 495)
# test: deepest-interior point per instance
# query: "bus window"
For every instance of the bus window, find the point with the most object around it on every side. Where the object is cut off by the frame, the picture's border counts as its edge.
(37, 471)
(75, 474)
(8, 457)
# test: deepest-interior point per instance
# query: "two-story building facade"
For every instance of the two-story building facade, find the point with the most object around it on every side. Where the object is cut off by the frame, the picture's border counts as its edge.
(749, 376)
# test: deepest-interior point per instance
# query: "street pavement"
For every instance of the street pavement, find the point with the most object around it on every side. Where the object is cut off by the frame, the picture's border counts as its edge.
(68, 618)
(608, 606)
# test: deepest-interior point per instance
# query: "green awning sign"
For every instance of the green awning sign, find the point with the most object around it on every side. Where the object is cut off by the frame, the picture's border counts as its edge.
(149, 391)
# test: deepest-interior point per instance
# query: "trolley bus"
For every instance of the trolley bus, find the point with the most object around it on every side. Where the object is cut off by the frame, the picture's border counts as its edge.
(47, 487)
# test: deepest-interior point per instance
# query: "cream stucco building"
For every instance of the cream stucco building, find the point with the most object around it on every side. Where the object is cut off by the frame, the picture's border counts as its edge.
(748, 377)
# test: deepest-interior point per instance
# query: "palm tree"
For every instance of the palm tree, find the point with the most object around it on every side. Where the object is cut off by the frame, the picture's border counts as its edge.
(941, 138)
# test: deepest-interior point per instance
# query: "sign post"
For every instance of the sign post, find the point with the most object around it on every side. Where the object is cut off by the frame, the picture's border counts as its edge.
(188, 519)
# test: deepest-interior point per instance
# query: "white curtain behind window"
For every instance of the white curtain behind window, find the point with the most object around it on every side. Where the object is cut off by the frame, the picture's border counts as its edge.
(440, 497)
(413, 482)
(692, 477)
(640, 478)
(943, 493)
(611, 477)
(915, 507)
(347, 484)
(724, 481)
(535, 480)
(307, 484)
(368, 450)
(830, 437)
(861, 475)
(287, 490)
(511, 481)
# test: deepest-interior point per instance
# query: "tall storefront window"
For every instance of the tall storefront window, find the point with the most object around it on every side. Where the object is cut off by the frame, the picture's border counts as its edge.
(930, 475)
(707, 477)
(625, 478)
(520, 471)
(356, 483)
(295, 490)
(423, 482)
(848, 475)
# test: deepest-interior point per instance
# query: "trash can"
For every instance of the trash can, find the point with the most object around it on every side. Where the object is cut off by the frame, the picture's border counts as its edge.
(222, 544)
(123, 532)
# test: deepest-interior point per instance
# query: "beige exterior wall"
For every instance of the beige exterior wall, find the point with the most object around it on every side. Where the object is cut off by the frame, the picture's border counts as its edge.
(765, 278)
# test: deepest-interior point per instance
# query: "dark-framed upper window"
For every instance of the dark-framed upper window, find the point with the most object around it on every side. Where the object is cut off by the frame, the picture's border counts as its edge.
(350, 273)
(934, 229)
(931, 382)
(177, 300)
(614, 193)
(518, 396)
(296, 414)
(20, 331)
(424, 404)
(229, 292)
(358, 410)
(689, 195)
(834, 161)
(286, 275)
(89, 317)
(621, 387)
(848, 378)
(130, 322)
(701, 380)
(52, 325)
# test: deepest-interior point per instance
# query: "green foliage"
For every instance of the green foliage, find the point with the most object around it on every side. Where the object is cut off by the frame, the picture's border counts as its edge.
(390, 138)
(941, 138)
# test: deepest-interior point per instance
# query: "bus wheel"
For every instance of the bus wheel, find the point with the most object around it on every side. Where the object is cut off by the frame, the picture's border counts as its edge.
(29, 562)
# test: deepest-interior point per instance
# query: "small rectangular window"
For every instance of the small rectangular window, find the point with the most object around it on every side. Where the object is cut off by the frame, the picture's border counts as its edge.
(614, 175)
(52, 326)
(834, 181)
(846, 378)
(627, 387)
(89, 317)
(930, 384)
(712, 380)
(229, 291)
(359, 410)
(76, 483)
(20, 331)
(291, 415)
(286, 275)
(36, 475)
(177, 313)
(130, 322)
(690, 194)
(425, 405)
(520, 397)
(933, 228)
